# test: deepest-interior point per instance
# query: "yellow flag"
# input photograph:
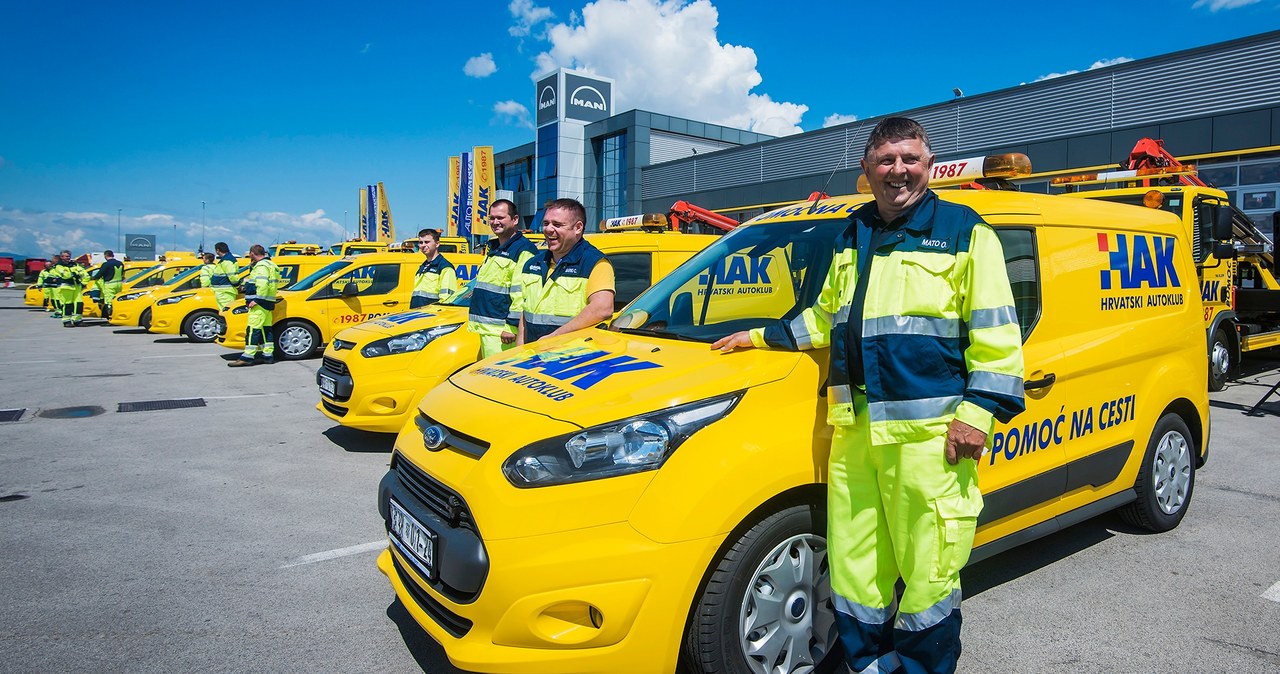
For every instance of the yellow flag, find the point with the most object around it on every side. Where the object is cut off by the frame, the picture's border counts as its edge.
(386, 228)
(364, 213)
(453, 207)
(482, 189)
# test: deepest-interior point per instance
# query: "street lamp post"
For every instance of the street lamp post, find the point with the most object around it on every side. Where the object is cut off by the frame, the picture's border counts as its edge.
(202, 227)
(344, 224)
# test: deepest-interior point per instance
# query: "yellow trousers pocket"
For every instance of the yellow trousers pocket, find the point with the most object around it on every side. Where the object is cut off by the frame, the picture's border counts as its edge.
(957, 519)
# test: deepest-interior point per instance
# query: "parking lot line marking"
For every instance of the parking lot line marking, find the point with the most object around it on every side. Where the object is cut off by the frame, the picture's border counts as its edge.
(245, 395)
(1272, 593)
(24, 362)
(181, 355)
(373, 546)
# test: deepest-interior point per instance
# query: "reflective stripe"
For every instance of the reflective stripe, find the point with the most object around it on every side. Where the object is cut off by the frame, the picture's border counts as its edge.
(486, 320)
(993, 382)
(889, 662)
(514, 317)
(494, 287)
(992, 318)
(427, 295)
(931, 326)
(907, 410)
(918, 622)
(800, 332)
(864, 614)
(251, 298)
(546, 319)
(839, 395)
(842, 314)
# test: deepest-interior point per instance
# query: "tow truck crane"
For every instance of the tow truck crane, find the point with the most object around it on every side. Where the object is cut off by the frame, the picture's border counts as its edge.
(1235, 260)
(681, 217)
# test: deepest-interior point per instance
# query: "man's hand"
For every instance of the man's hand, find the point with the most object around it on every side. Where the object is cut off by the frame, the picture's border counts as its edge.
(507, 337)
(251, 304)
(731, 342)
(964, 442)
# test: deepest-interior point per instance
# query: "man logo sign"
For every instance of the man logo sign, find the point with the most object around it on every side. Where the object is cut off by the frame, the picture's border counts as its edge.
(546, 98)
(588, 97)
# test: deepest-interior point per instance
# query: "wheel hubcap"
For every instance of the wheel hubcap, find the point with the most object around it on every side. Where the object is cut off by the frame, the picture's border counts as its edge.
(295, 341)
(787, 623)
(204, 327)
(1171, 472)
(1221, 359)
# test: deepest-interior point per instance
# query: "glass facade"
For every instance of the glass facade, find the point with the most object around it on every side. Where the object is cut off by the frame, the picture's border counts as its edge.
(613, 176)
(516, 176)
(548, 168)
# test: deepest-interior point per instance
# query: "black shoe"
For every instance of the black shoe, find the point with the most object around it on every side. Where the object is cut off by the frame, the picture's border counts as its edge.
(268, 360)
(239, 362)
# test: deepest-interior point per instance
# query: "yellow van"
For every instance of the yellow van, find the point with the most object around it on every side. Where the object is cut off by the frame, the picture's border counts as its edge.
(292, 248)
(346, 248)
(132, 307)
(346, 292)
(375, 373)
(192, 311)
(599, 501)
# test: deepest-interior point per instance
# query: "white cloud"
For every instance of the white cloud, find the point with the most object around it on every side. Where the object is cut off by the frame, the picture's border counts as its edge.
(480, 66)
(38, 233)
(527, 15)
(836, 119)
(1215, 5)
(1100, 63)
(665, 56)
(512, 112)
(365, 48)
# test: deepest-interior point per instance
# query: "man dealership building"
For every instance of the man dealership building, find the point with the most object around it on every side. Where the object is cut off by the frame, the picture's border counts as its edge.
(1217, 106)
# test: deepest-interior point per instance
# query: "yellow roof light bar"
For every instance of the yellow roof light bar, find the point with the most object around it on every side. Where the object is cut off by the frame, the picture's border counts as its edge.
(961, 171)
(648, 221)
(1121, 176)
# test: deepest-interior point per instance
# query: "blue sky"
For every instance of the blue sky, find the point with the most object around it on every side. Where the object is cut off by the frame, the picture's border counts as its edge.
(276, 113)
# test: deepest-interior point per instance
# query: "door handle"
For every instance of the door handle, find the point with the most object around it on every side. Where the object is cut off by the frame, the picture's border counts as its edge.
(1034, 384)
(390, 303)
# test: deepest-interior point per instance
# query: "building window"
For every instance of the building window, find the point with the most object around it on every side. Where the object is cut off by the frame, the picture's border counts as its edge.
(1219, 176)
(1258, 174)
(516, 176)
(613, 176)
(548, 169)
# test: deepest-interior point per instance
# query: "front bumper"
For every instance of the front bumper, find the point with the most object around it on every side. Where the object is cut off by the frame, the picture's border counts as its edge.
(384, 399)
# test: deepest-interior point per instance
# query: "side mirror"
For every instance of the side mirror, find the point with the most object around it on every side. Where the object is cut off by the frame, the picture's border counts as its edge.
(350, 290)
(1224, 251)
(1222, 228)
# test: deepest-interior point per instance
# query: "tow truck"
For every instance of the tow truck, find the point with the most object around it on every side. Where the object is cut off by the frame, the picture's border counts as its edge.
(681, 217)
(1237, 273)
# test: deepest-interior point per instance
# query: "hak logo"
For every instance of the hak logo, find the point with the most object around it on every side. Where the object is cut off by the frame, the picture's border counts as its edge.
(574, 365)
(546, 98)
(740, 269)
(466, 272)
(588, 97)
(1139, 260)
(403, 317)
(482, 205)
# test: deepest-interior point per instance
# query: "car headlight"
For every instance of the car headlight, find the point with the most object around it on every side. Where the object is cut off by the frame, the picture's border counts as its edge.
(408, 342)
(130, 296)
(620, 448)
(242, 309)
(172, 300)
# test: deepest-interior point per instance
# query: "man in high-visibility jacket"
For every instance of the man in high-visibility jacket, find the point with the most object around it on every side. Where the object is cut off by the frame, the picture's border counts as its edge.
(436, 279)
(220, 276)
(926, 351)
(570, 285)
(70, 279)
(493, 315)
(45, 280)
(260, 297)
(108, 278)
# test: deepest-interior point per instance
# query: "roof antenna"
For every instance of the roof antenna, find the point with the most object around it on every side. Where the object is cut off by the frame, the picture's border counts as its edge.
(820, 194)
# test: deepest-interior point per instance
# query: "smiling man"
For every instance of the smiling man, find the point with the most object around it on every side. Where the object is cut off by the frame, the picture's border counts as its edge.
(925, 352)
(570, 285)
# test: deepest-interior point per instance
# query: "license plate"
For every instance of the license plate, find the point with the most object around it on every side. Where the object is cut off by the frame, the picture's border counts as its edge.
(328, 385)
(417, 539)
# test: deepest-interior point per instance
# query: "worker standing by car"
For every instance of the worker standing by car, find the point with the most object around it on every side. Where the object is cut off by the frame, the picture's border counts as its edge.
(260, 297)
(221, 275)
(48, 287)
(109, 278)
(568, 286)
(925, 351)
(71, 279)
(436, 279)
(492, 314)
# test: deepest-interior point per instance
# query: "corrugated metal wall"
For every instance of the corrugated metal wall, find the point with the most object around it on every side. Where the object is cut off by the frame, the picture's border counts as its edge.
(664, 146)
(1234, 76)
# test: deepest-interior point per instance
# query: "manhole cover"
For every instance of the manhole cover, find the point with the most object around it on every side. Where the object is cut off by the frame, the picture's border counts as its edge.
(11, 415)
(71, 412)
(153, 405)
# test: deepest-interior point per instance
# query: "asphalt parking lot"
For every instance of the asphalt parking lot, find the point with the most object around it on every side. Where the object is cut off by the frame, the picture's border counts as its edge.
(241, 535)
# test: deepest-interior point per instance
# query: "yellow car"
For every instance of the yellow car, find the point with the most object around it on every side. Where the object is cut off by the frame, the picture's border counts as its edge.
(375, 373)
(194, 313)
(599, 501)
(133, 306)
(346, 292)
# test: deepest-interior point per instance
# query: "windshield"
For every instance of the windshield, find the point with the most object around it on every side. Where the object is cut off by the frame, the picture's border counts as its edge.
(750, 278)
(320, 274)
(194, 271)
(462, 298)
(141, 272)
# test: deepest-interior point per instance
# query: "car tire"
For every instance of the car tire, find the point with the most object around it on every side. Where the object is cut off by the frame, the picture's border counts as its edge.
(1221, 362)
(201, 326)
(144, 321)
(1166, 478)
(783, 558)
(296, 340)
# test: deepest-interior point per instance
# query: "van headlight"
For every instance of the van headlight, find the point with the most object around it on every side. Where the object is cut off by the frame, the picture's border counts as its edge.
(242, 309)
(619, 448)
(130, 296)
(408, 342)
(172, 300)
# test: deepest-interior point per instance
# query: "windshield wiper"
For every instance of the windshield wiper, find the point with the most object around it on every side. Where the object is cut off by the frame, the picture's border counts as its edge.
(661, 334)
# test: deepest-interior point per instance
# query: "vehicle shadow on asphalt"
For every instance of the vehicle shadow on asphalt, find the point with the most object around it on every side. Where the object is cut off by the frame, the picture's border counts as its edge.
(428, 654)
(130, 331)
(361, 442)
(1025, 559)
(171, 340)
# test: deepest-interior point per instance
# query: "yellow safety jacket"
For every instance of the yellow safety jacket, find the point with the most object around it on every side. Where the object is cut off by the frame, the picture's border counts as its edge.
(260, 283)
(493, 298)
(936, 336)
(552, 295)
(69, 279)
(434, 281)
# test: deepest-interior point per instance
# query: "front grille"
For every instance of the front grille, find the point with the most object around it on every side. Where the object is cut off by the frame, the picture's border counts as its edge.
(340, 344)
(451, 622)
(335, 365)
(336, 410)
(442, 500)
(467, 444)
